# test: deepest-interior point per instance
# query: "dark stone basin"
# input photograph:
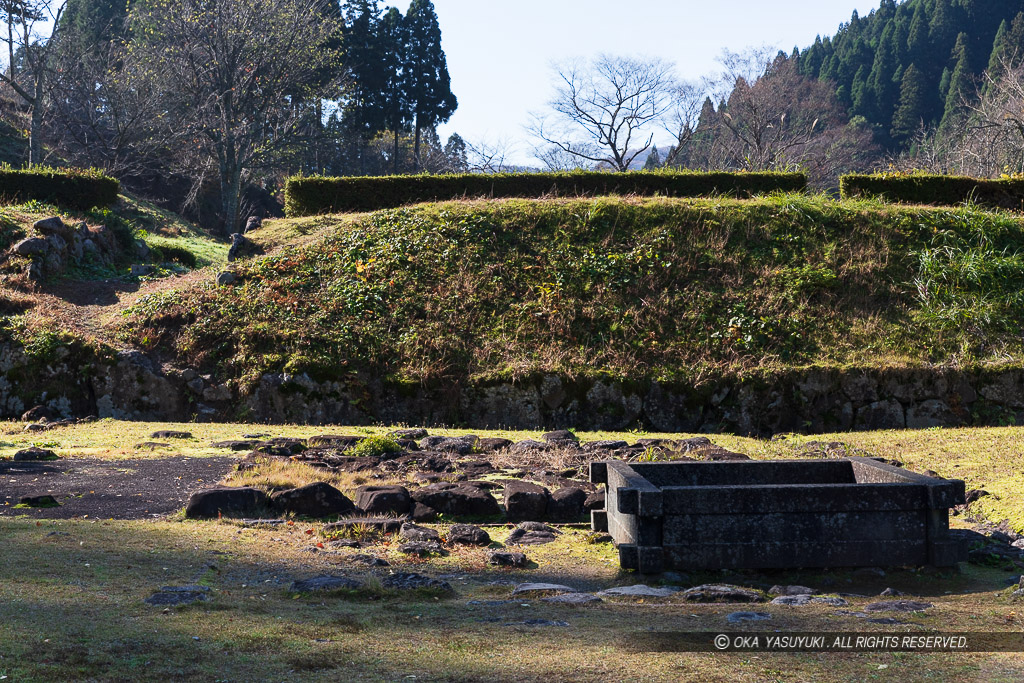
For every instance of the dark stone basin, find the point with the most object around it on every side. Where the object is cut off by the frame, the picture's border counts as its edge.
(852, 512)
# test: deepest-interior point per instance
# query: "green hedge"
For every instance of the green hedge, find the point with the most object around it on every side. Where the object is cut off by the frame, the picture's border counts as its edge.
(317, 195)
(935, 189)
(67, 187)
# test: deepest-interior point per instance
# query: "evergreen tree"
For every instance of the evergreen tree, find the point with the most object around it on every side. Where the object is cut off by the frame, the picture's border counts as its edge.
(912, 106)
(961, 84)
(364, 111)
(393, 37)
(428, 85)
(1008, 47)
(653, 159)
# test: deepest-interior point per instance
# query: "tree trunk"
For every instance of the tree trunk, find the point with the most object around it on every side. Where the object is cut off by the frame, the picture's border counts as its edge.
(416, 148)
(394, 156)
(230, 190)
(35, 141)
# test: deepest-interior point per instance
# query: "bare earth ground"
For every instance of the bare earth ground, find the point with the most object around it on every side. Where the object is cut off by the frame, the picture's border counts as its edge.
(126, 489)
(72, 590)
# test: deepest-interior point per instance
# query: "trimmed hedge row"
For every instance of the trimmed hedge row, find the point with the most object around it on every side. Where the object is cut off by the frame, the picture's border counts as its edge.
(305, 196)
(68, 187)
(935, 189)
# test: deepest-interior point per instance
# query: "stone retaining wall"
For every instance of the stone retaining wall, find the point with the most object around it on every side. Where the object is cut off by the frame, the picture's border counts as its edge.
(808, 401)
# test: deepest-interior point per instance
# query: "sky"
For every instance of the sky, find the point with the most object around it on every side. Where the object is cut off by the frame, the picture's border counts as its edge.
(500, 51)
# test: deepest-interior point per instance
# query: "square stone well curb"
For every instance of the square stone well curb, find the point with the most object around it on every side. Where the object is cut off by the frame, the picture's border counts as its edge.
(850, 512)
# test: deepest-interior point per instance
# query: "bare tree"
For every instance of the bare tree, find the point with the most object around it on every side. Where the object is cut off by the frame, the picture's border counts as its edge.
(26, 19)
(97, 118)
(237, 80)
(486, 156)
(604, 109)
(770, 117)
(683, 118)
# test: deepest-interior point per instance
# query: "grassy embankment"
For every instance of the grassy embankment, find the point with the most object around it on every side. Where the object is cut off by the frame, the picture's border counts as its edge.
(653, 288)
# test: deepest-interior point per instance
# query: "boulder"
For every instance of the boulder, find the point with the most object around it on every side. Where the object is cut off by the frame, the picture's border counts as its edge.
(566, 504)
(53, 226)
(253, 223)
(525, 501)
(235, 444)
(34, 453)
(412, 434)
(242, 246)
(421, 548)
(595, 501)
(170, 434)
(531, 533)
(33, 246)
(467, 534)
(493, 444)
(341, 442)
(37, 414)
(414, 532)
(457, 500)
(141, 269)
(382, 500)
(422, 513)
(559, 436)
(506, 558)
(229, 502)
(225, 278)
(318, 499)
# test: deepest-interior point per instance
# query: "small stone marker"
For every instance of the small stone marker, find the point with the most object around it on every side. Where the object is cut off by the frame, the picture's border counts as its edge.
(739, 617)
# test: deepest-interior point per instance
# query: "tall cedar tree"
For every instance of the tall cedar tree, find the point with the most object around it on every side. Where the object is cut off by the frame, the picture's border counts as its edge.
(910, 113)
(428, 85)
(961, 85)
(393, 37)
(364, 62)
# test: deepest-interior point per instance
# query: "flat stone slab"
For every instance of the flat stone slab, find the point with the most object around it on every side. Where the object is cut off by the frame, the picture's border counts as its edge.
(539, 622)
(385, 525)
(897, 606)
(410, 581)
(538, 588)
(640, 591)
(720, 592)
(572, 599)
(792, 590)
(739, 617)
(172, 596)
(325, 583)
(799, 600)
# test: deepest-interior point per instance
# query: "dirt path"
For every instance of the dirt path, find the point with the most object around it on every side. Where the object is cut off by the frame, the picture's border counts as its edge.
(86, 306)
(106, 489)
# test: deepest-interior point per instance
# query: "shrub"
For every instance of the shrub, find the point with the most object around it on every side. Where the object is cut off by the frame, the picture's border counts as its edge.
(373, 446)
(1007, 193)
(176, 254)
(73, 188)
(317, 195)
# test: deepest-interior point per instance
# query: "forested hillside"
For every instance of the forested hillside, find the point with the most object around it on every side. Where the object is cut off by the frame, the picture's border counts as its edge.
(914, 62)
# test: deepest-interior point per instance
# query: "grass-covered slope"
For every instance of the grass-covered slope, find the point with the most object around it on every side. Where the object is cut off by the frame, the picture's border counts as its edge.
(654, 288)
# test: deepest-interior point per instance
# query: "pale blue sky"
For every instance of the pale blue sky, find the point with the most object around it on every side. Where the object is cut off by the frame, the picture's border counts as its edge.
(499, 51)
